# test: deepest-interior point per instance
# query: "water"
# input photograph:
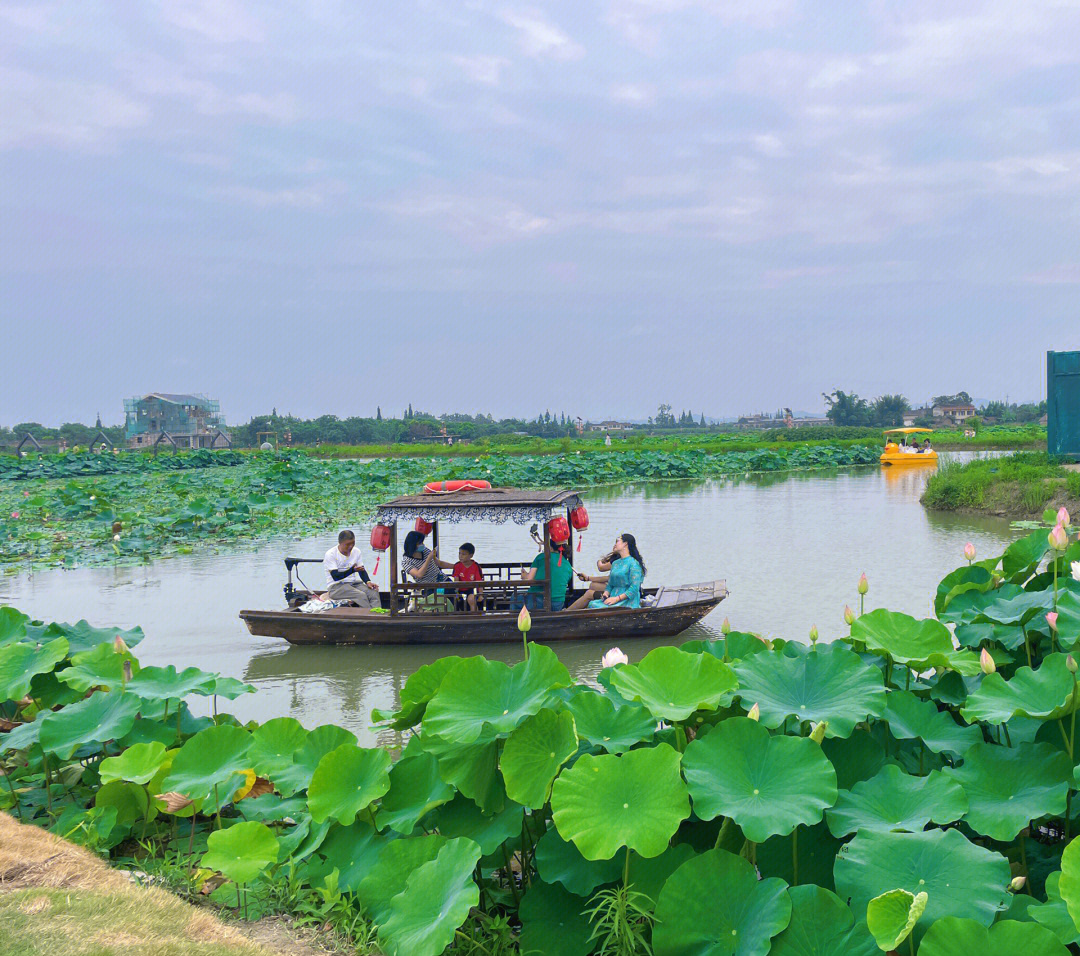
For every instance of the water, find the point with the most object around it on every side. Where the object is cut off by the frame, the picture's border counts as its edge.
(791, 547)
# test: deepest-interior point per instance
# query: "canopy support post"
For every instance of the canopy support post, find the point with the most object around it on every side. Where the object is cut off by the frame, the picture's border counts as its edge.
(547, 568)
(393, 569)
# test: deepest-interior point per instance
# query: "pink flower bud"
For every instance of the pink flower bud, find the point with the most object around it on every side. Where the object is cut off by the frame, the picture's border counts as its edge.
(849, 615)
(813, 634)
(1058, 539)
(864, 585)
(524, 620)
(613, 657)
(725, 628)
(14, 514)
(754, 713)
(986, 662)
(1063, 516)
(969, 551)
(1017, 884)
(1051, 619)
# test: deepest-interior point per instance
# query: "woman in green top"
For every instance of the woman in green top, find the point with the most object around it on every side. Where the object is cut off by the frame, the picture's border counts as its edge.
(623, 586)
(561, 573)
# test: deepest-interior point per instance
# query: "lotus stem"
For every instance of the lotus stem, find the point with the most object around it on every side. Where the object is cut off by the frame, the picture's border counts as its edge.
(1008, 739)
(510, 877)
(48, 778)
(626, 870)
(680, 738)
(725, 829)
(795, 857)
(907, 678)
(191, 841)
(922, 758)
(1068, 812)
(911, 945)
(179, 714)
(1023, 858)
(1027, 644)
(18, 806)
(1065, 737)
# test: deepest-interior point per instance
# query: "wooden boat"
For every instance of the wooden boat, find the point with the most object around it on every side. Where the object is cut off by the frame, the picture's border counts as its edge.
(669, 610)
(894, 454)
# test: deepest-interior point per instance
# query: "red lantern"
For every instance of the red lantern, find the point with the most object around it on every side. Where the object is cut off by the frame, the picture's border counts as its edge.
(579, 518)
(423, 526)
(380, 538)
(558, 530)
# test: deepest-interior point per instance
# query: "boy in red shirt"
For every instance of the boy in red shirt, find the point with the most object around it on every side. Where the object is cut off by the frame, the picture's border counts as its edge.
(467, 569)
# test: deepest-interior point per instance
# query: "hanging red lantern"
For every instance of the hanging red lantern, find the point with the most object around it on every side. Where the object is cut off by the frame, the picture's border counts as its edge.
(380, 537)
(424, 527)
(579, 518)
(558, 530)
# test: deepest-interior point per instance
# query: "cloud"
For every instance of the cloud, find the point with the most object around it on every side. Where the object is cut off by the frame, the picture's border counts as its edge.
(644, 23)
(633, 94)
(485, 70)
(1064, 273)
(480, 220)
(304, 197)
(219, 21)
(539, 38)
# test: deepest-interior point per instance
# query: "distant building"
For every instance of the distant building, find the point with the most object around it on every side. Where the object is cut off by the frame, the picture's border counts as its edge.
(192, 421)
(916, 414)
(955, 414)
(610, 426)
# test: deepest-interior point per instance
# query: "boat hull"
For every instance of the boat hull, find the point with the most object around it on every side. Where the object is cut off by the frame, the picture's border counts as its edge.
(906, 459)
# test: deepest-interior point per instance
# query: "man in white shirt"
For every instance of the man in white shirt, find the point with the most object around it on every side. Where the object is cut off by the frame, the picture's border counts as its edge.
(346, 579)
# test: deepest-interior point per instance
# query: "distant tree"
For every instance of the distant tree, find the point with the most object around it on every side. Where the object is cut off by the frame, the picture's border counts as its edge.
(702, 422)
(664, 418)
(847, 409)
(888, 410)
(378, 413)
(960, 398)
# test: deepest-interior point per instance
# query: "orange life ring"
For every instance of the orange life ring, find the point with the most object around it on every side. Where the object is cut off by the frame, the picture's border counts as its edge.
(461, 484)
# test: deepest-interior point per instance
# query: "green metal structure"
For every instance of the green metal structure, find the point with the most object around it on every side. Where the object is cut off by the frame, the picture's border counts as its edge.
(1063, 404)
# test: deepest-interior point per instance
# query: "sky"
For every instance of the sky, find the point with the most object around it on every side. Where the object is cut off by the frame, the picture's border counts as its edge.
(724, 205)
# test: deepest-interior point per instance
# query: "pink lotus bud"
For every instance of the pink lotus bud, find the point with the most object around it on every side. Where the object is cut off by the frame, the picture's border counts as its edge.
(864, 585)
(986, 662)
(1070, 664)
(14, 514)
(613, 657)
(754, 713)
(119, 646)
(524, 620)
(1016, 884)
(1058, 539)
(817, 735)
(725, 628)
(969, 551)
(849, 616)
(1063, 516)
(1051, 619)
(813, 634)
(1075, 569)
(26, 494)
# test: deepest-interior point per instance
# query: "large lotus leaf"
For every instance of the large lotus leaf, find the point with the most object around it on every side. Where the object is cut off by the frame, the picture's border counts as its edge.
(480, 700)
(90, 826)
(1054, 913)
(101, 667)
(82, 637)
(919, 644)
(296, 776)
(1069, 883)
(533, 754)
(767, 785)
(892, 916)
(829, 682)
(352, 851)
(854, 758)
(415, 789)
(48, 693)
(637, 800)
(672, 684)
(273, 745)
(968, 605)
(138, 764)
(131, 801)
(12, 624)
(558, 861)
(210, 765)
(230, 688)
(163, 683)
(242, 851)
(463, 818)
(648, 877)
(1045, 692)
(552, 922)
(1017, 609)
(962, 580)
(472, 768)
(821, 925)
(302, 839)
(421, 686)
(390, 873)
(19, 663)
(893, 800)
(912, 719)
(959, 877)
(600, 722)
(436, 900)
(23, 736)
(1009, 636)
(817, 849)
(1025, 553)
(951, 936)
(714, 905)
(1007, 787)
(101, 717)
(347, 781)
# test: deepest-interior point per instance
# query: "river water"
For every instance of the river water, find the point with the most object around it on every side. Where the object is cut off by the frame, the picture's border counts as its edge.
(791, 547)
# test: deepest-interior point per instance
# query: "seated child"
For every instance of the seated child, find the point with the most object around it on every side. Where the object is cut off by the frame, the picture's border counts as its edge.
(467, 569)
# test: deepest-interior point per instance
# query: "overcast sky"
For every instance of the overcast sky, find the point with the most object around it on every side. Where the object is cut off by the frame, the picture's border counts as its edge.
(727, 205)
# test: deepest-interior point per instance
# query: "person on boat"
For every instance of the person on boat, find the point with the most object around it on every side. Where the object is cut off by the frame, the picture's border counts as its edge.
(562, 571)
(927, 447)
(346, 578)
(623, 588)
(597, 584)
(467, 569)
(421, 563)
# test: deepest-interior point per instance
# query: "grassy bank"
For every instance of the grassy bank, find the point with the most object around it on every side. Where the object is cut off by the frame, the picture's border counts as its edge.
(1017, 486)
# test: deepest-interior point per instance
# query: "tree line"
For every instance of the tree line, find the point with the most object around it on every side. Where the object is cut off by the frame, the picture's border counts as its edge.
(887, 411)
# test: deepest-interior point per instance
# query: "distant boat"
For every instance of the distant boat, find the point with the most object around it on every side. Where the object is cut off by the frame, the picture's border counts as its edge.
(894, 453)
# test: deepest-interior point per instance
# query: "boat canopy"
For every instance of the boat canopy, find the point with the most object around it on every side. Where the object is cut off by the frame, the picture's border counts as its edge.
(906, 431)
(495, 505)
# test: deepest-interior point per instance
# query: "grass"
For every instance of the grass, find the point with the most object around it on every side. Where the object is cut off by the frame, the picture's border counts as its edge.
(1020, 485)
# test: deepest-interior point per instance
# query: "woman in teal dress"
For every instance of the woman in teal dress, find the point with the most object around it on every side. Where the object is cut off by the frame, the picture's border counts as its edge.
(623, 587)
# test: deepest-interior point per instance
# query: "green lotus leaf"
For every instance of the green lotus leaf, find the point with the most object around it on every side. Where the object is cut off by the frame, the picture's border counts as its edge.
(472, 768)
(1016, 609)
(163, 683)
(98, 718)
(1069, 883)
(672, 684)
(637, 800)
(101, 667)
(558, 861)
(919, 644)
(648, 876)
(1054, 913)
(415, 789)
(893, 800)
(816, 848)
(347, 781)
(1024, 554)
(210, 765)
(829, 682)
(1045, 692)
(230, 688)
(951, 936)
(854, 758)
(767, 785)
(273, 745)
(480, 700)
(714, 905)
(436, 900)
(533, 754)
(296, 776)
(19, 663)
(23, 736)
(1008, 787)
(131, 801)
(138, 764)
(821, 925)
(1009, 636)
(93, 827)
(912, 719)
(12, 624)
(600, 722)
(82, 637)
(892, 916)
(962, 580)
(421, 686)
(352, 851)
(389, 875)
(553, 922)
(463, 818)
(48, 693)
(271, 807)
(242, 851)
(302, 839)
(959, 877)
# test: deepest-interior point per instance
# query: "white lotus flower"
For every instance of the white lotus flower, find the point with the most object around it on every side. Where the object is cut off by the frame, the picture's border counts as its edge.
(1075, 566)
(613, 657)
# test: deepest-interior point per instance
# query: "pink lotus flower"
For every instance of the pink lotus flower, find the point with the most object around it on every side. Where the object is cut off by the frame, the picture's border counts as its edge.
(1063, 516)
(864, 585)
(14, 514)
(725, 628)
(1051, 619)
(986, 662)
(26, 494)
(1058, 539)
(613, 657)
(969, 552)
(754, 713)
(849, 615)
(524, 620)
(119, 645)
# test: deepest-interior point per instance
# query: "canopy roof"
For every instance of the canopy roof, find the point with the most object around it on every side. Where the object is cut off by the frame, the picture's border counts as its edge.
(497, 505)
(906, 431)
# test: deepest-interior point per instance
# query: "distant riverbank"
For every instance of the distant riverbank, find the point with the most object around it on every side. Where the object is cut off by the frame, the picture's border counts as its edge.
(1023, 485)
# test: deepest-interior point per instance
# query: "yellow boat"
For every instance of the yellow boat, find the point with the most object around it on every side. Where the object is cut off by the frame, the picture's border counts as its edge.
(897, 440)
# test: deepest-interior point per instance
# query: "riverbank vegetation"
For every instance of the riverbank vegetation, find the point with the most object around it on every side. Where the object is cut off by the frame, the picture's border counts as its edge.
(907, 787)
(1019, 486)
